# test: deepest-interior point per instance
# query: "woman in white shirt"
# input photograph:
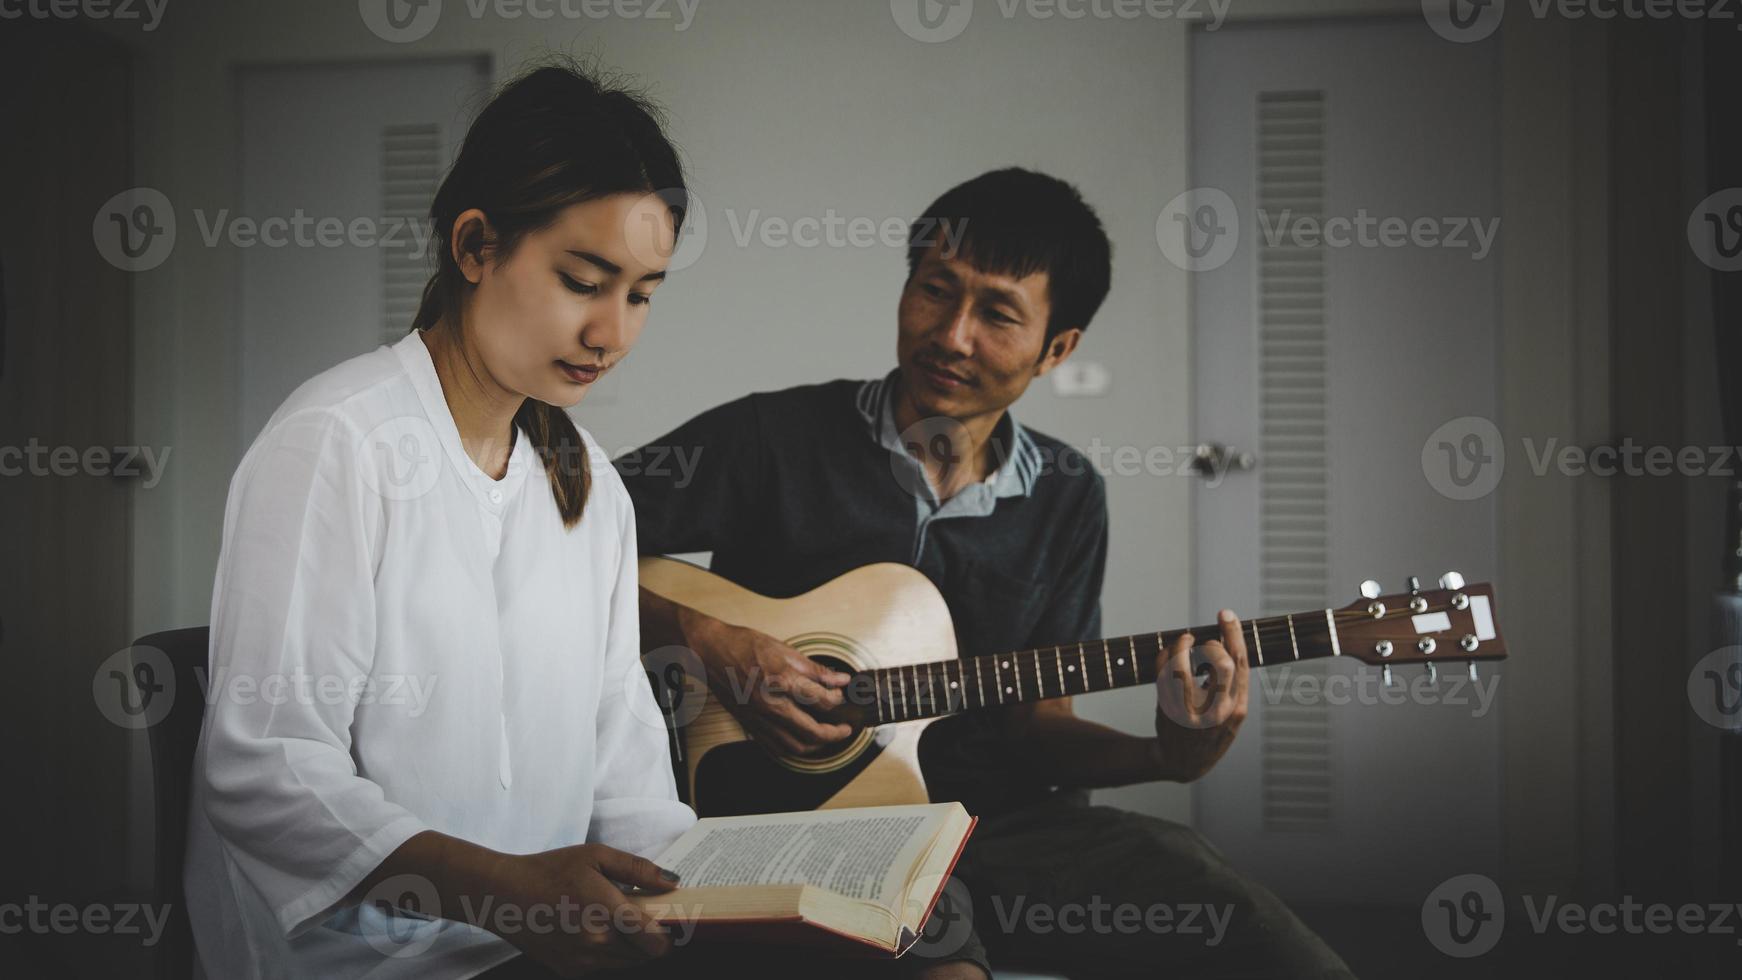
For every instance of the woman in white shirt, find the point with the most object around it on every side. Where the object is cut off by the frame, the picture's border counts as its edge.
(429, 741)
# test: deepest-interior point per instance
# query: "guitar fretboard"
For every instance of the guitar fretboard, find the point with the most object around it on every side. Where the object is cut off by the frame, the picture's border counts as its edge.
(944, 687)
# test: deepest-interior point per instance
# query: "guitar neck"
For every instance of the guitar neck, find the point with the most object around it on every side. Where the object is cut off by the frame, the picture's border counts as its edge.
(945, 687)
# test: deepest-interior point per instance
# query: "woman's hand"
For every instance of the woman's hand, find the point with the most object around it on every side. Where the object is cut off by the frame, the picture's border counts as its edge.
(774, 691)
(596, 927)
(562, 908)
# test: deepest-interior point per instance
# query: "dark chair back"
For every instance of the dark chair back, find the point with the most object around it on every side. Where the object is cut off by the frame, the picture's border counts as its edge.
(172, 741)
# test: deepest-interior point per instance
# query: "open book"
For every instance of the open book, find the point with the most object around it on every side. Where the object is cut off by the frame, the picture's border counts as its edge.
(858, 880)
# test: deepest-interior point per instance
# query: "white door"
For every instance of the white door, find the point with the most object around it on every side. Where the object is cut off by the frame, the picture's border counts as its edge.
(351, 155)
(1333, 352)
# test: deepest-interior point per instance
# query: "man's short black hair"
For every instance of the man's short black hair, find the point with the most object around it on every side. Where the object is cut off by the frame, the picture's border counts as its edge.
(1017, 222)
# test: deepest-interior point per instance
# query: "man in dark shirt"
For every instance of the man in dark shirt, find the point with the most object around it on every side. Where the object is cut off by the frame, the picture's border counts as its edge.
(928, 467)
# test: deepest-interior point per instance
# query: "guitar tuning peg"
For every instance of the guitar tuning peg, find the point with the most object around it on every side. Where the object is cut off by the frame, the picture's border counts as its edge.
(1433, 675)
(1472, 670)
(1414, 585)
(1451, 581)
(1388, 681)
(1371, 589)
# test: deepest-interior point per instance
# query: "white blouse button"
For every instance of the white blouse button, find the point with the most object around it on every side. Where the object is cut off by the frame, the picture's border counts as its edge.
(495, 495)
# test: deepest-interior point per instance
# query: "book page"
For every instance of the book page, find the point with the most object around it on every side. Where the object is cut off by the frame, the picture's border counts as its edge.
(864, 853)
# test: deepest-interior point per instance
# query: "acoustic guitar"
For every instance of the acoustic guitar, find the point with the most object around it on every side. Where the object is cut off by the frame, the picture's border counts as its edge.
(887, 626)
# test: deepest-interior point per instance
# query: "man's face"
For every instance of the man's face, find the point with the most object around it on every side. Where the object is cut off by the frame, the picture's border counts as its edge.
(969, 341)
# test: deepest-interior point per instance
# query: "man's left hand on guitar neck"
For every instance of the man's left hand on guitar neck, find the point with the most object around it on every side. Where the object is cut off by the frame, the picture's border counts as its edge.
(1193, 727)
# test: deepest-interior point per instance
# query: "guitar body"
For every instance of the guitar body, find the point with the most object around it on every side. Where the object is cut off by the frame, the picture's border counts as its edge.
(883, 615)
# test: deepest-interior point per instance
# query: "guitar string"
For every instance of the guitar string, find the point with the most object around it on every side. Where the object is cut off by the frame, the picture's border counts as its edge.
(1264, 625)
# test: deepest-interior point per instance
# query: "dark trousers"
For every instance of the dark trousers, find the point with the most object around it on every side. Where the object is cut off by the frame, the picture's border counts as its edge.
(1082, 891)
(1095, 891)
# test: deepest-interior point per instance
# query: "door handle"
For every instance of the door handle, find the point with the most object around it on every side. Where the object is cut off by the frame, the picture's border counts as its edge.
(1212, 460)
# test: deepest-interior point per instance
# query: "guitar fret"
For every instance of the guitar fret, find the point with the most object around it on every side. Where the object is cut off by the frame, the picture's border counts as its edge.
(1084, 665)
(1256, 642)
(1059, 664)
(1107, 661)
(1131, 641)
(903, 682)
(980, 681)
(1291, 637)
(1039, 682)
(998, 680)
(1331, 624)
(1018, 672)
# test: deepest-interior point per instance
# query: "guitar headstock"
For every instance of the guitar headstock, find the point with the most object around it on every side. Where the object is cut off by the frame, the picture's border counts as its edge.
(1453, 623)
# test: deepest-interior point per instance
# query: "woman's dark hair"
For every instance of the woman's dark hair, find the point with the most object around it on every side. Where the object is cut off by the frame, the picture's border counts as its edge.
(1017, 222)
(553, 137)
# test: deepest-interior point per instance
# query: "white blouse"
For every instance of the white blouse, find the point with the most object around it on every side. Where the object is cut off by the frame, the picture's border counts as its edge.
(401, 643)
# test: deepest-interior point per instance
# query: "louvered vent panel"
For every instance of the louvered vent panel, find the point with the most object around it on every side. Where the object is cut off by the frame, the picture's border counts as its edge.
(410, 173)
(1296, 738)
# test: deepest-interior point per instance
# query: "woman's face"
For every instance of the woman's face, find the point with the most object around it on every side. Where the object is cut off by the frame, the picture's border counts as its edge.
(570, 299)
